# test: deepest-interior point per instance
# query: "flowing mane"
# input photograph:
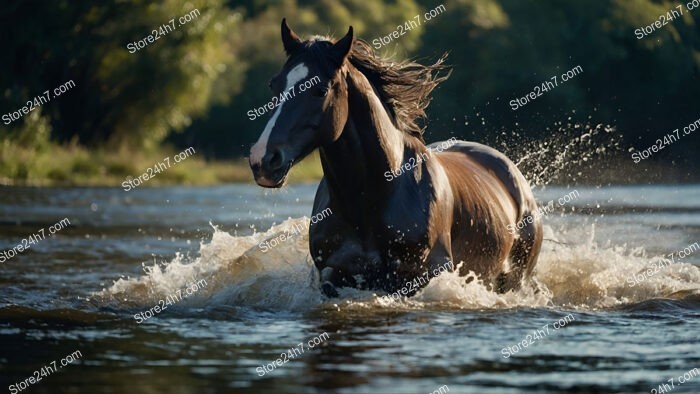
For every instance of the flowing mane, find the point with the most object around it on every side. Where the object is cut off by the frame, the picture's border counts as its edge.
(404, 86)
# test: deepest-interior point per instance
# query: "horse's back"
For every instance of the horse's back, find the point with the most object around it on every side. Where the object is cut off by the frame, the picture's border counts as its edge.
(501, 166)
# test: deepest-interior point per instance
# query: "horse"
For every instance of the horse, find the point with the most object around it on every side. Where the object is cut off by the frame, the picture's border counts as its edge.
(401, 209)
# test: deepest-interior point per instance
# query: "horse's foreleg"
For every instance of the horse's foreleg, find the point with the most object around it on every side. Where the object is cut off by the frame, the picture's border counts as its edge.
(439, 260)
(350, 266)
(338, 270)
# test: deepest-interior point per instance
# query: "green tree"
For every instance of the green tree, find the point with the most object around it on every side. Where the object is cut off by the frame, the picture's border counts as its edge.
(119, 97)
(507, 47)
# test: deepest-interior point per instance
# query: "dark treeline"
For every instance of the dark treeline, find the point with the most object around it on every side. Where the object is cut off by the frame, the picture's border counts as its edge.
(194, 85)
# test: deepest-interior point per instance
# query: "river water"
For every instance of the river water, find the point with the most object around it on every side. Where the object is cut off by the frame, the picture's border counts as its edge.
(618, 308)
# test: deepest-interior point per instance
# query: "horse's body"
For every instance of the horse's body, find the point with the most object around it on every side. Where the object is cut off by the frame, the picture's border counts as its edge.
(445, 208)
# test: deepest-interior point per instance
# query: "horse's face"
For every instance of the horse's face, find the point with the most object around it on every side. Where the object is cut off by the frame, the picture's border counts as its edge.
(312, 106)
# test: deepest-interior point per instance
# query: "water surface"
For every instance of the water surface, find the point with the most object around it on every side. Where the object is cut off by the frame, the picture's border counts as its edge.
(125, 251)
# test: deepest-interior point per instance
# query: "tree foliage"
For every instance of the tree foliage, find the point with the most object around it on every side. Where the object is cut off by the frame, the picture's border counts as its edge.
(202, 78)
(120, 97)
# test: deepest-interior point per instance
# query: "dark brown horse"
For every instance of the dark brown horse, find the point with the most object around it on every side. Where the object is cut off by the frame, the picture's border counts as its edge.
(401, 209)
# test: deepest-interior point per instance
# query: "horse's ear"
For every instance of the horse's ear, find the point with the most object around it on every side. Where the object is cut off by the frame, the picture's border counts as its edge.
(290, 40)
(342, 47)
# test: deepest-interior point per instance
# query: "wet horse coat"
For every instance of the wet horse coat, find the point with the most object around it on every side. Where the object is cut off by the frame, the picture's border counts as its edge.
(451, 207)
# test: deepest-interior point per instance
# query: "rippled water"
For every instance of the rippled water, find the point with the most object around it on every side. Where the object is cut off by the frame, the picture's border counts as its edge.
(124, 252)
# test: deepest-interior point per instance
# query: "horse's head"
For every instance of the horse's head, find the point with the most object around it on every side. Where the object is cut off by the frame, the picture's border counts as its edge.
(311, 106)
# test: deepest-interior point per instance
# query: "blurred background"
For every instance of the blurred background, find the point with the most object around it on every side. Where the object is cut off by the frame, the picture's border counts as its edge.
(193, 86)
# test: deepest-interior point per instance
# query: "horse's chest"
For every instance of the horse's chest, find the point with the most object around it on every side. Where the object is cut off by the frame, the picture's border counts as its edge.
(405, 217)
(403, 230)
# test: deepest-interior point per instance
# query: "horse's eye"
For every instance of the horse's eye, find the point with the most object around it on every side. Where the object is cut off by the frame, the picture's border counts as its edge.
(321, 92)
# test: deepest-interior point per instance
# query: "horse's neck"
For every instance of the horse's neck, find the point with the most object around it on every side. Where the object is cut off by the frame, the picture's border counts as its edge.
(370, 144)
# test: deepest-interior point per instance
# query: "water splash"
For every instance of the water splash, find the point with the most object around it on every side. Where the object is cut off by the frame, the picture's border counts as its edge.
(240, 272)
(565, 154)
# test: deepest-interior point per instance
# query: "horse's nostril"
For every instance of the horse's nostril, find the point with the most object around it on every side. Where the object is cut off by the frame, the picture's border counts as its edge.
(276, 159)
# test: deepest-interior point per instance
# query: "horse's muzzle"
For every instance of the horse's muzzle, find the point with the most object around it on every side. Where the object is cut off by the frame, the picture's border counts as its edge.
(272, 170)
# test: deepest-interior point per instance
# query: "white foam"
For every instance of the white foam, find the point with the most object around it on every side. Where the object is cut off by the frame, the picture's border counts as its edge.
(239, 273)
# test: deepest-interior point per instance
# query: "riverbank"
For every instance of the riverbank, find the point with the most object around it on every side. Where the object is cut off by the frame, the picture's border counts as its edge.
(74, 165)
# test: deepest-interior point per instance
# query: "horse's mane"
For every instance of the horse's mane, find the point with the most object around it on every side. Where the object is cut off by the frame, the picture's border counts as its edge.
(404, 86)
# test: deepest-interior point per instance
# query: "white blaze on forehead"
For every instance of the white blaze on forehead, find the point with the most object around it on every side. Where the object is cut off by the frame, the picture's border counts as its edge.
(257, 152)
